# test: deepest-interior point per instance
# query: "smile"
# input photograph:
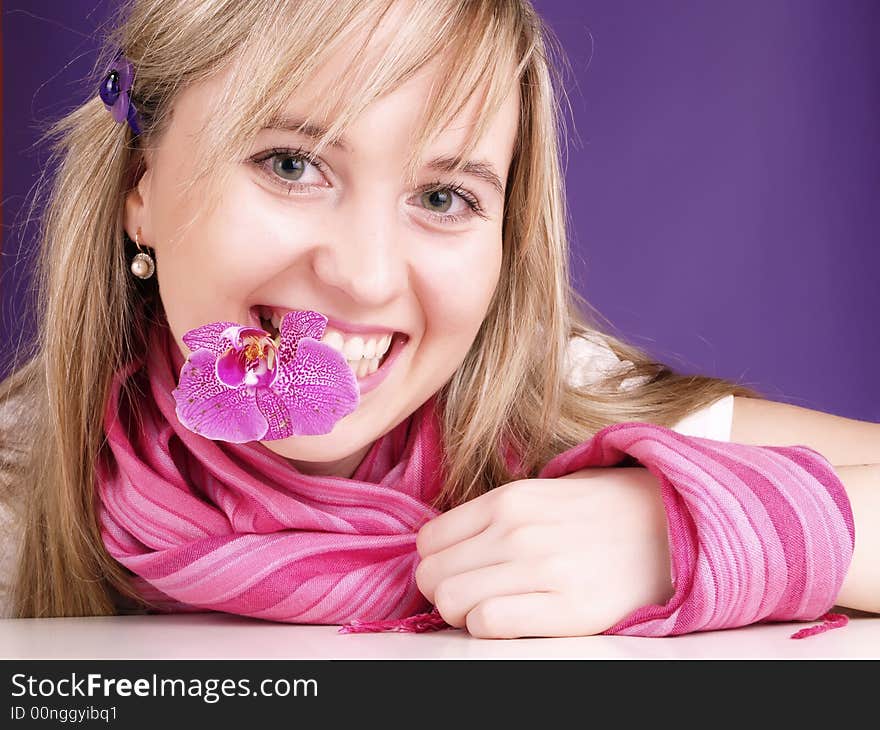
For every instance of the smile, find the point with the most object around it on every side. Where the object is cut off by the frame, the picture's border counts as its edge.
(367, 353)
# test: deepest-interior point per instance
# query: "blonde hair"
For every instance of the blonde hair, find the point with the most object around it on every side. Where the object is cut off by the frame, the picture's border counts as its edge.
(93, 316)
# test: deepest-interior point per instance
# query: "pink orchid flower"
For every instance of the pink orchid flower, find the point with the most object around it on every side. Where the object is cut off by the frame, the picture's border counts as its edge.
(239, 384)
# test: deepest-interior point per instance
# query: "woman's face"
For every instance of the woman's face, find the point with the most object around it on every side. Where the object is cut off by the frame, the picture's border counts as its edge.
(349, 240)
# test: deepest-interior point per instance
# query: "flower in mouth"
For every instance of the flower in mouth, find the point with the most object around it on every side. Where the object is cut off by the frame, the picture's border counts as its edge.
(239, 384)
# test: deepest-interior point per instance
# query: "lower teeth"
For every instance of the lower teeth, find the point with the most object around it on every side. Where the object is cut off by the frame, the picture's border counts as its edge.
(355, 364)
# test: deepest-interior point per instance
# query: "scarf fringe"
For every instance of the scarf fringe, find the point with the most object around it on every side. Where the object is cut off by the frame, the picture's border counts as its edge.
(433, 621)
(417, 624)
(829, 621)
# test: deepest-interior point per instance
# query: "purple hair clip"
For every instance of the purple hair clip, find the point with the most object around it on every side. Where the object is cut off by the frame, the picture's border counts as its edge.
(114, 93)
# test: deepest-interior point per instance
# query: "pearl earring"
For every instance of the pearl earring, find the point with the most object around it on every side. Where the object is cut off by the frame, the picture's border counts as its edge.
(142, 265)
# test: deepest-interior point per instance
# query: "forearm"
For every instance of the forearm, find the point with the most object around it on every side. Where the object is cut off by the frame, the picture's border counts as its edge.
(756, 533)
(861, 587)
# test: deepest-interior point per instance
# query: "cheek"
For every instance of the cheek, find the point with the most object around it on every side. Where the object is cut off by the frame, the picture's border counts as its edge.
(457, 284)
(219, 260)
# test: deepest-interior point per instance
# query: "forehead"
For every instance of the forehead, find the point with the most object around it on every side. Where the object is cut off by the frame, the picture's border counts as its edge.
(359, 59)
(392, 120)
(354, 65)
(395, 115)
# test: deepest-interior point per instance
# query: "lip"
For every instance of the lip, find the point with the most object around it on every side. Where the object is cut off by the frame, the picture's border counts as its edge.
(349, 328)
(358, 329)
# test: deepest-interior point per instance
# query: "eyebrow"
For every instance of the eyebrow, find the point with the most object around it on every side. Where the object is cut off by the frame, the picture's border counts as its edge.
(481, 169)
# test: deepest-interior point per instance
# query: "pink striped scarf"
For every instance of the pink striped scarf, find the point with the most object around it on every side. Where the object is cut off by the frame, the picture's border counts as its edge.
(757, 533)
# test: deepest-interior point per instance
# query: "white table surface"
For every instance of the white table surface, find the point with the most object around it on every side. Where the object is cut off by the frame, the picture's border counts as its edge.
(218, 635)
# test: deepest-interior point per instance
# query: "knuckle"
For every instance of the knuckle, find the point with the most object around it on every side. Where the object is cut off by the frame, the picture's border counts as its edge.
(510, 503)
(522, 538)
(485, 620)
(423, 574)
(423, 538)
(445, 602)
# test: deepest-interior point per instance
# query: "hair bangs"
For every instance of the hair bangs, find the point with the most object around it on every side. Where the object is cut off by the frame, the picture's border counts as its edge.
(479, 44)
(254, 92)
(484, 60)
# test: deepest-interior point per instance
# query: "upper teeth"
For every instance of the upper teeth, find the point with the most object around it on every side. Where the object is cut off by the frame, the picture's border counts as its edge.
(354, 347)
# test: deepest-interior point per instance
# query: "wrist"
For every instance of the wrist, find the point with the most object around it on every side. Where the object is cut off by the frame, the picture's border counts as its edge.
(861, 586)
(643, 573)
(659, 586)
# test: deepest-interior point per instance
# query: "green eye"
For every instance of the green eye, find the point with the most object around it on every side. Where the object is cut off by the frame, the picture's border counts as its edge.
(431, 198)
(285, 165)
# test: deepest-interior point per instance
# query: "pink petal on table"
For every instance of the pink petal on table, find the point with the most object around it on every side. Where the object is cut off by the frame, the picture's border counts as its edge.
(319, 387)
(210, 409)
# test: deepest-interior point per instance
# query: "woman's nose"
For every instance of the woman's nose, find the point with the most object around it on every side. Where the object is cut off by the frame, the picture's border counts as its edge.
(364, 260)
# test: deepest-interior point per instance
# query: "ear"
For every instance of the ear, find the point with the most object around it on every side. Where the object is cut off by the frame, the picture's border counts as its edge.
(137, 208)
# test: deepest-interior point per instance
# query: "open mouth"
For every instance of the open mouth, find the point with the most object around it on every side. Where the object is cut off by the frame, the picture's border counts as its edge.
(366, 356)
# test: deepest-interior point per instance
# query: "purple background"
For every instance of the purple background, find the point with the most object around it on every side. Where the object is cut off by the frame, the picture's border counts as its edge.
(723, 178)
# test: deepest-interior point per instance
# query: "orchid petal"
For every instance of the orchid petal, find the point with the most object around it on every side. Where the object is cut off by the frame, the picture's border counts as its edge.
(294, 326)
(209, 337)
(236, 333)
(318, 387)
(276, 413)
(231, 370)
(235, 367)
(210, 409)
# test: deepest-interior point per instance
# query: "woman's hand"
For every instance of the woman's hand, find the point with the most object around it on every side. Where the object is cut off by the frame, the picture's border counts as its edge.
(549, 557)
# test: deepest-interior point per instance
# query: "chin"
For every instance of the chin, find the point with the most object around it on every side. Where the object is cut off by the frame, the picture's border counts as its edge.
(324, 447)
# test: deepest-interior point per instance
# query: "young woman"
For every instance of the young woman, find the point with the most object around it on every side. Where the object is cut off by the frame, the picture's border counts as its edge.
(393, 166)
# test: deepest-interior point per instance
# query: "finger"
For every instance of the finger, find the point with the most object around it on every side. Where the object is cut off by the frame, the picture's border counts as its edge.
(455, 597)
(525, 615)
(451, 527)
(479, 551)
